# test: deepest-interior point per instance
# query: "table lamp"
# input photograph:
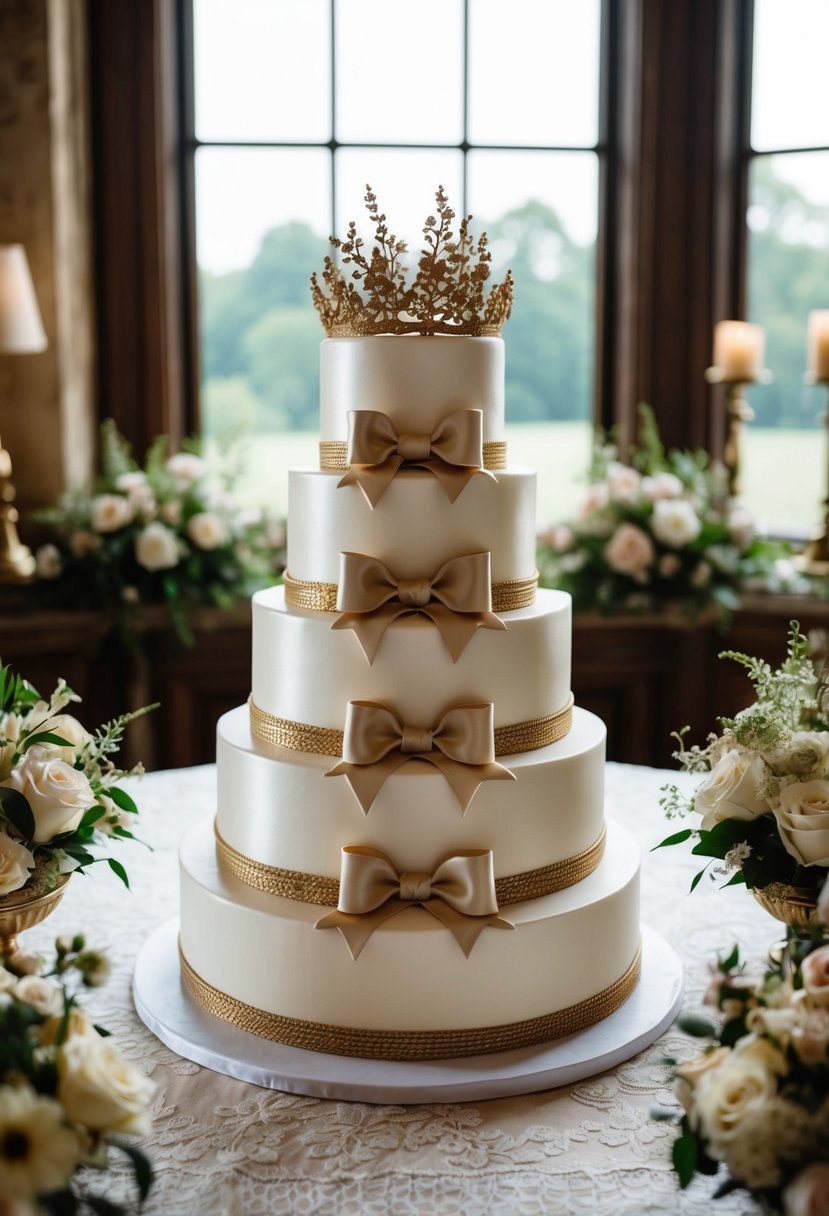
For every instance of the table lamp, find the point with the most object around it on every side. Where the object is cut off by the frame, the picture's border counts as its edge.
(21, 333)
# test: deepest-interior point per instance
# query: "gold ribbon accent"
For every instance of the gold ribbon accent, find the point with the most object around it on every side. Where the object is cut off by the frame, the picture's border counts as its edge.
(322, 597)
(320, 889)
(460, 894)
(411, 1044)
(376, 452)
(376, 743)
(328, 741)
(457, 600)
(334, 455)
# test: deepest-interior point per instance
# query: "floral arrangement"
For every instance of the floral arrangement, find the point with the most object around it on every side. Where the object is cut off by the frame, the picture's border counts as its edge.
(757, 1099)
(61, 805)
(171, 533)
(67, 1097)
(659, 530)
(764, 799)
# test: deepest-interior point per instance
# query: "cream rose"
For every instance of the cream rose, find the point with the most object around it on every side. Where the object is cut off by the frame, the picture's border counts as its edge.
(83, 543)
(156, 548)
(207, 530)
(48, 561)
(70, 729)
(815, 972)
(738, 1086)
(100, 1089)
(15, 863)
(692, 1071)
(732, 790)
(662, 485)
(39, 994)
(111, 512)
(675, 522)
(623, 482)
(810, 1036)
(47, 1150)
(57, 793)
(805, 755)
(596, 499)
(803, 821)
(76, 1024)
(629, 551)
(186, 467)
(9, 729)
(808, 1195)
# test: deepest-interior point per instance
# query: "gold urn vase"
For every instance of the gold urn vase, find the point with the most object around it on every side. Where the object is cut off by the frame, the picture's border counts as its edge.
(24, 909)
(796, 907)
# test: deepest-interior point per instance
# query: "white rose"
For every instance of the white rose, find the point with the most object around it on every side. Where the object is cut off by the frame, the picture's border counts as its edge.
(629, 551)
(815, 972)
(662, 485)
(70, 729)
(15, 863)
(623, 482)
(83, 543)
(803, 821)
(156, 548)
(596, 499)
(48, 562)
(128, 483)
(692, 1071)
(110, 512)
(207, 530)
(39, 994)
(57, 793)
(140, 495)
(732, 790)
(100, 1089)
(808, 1195)
(675, 522)
(805, 755)
(738, 1086)
(186, 467)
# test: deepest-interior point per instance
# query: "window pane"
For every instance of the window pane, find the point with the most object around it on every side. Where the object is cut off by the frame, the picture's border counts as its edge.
(788, 219)
(540, 210)
(534, 72)
(262, 69)
(405, 185)
(262, 226)
(398, 72)
(789, 108)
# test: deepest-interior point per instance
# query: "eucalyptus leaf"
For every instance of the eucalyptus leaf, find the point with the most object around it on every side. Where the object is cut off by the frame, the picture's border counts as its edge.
(119, 870)
(700, 1028)
(122, 799)
(677, 838)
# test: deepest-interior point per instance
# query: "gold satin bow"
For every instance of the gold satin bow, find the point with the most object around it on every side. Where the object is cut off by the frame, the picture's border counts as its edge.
(376, 743)
(460, 894)
(458, 600)
(453, 452)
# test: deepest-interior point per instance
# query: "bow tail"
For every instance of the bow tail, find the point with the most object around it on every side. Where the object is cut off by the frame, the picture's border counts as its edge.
(454, 478)
(370, 626)
(465, 929)
(458, 628)
(366, 780)
(357, 929)
(373, 479)
(464, 779)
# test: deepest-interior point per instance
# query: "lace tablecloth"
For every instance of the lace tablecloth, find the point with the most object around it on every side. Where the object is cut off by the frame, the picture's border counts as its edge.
(222, 1147)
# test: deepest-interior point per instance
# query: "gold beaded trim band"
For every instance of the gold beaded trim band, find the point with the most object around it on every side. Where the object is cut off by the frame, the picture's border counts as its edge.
(334, 455)
(410, 1044)
(318, 889)
(322, 597)
(327, 741)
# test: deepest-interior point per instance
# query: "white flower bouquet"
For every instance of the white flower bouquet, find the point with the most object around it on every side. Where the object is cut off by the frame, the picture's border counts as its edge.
(757, 1099)
(67, 1096)
(659, 531)
(763, 802)
(171, 533)
(61, 804)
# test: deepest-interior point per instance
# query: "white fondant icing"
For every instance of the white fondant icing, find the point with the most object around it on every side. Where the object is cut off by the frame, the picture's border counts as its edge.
(414, 529)
(411, 975)
(307, 672)
(277, 807)
(414, 380)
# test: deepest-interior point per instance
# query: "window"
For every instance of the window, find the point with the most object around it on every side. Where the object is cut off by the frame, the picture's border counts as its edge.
(297, 104)
(787, 256)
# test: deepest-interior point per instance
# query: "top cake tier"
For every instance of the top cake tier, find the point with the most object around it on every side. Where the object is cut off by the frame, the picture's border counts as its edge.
(415, 381)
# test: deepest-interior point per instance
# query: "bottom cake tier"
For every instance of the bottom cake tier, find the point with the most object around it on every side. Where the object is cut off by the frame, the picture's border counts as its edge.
(258, 961)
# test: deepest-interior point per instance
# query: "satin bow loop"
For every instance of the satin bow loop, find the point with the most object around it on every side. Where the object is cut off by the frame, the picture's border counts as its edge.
(376, 743)
(457, 600)
(375, 452)
(460, 893)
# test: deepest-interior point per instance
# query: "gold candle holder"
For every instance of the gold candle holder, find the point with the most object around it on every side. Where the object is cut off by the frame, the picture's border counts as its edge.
(738, 412)
(814, 560)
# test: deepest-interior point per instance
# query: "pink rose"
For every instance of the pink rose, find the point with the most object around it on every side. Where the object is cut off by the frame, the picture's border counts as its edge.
(629, 551)
(815, 972)
(808, 1195)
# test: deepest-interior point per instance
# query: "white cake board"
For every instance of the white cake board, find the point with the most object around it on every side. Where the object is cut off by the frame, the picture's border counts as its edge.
(190, 1031)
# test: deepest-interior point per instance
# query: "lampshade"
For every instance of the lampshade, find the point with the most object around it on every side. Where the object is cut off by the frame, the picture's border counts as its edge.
(21, 329)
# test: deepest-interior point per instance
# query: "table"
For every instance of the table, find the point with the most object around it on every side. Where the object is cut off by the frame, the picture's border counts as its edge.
(224, 1148)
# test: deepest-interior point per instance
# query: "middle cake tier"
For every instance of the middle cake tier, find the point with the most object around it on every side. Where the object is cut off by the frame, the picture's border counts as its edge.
(305, 673)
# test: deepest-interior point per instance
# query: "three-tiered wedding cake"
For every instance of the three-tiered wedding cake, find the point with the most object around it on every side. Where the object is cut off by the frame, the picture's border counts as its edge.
(410, 858)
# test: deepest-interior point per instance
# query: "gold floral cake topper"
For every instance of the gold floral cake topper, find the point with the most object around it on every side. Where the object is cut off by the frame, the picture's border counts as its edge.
(445, 297)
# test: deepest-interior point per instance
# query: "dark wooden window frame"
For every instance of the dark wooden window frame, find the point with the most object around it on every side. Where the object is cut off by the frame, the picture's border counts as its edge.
(671, 252)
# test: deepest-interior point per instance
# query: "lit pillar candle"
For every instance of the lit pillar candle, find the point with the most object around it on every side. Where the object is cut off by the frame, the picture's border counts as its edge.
(739, 350)
(818, 357)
